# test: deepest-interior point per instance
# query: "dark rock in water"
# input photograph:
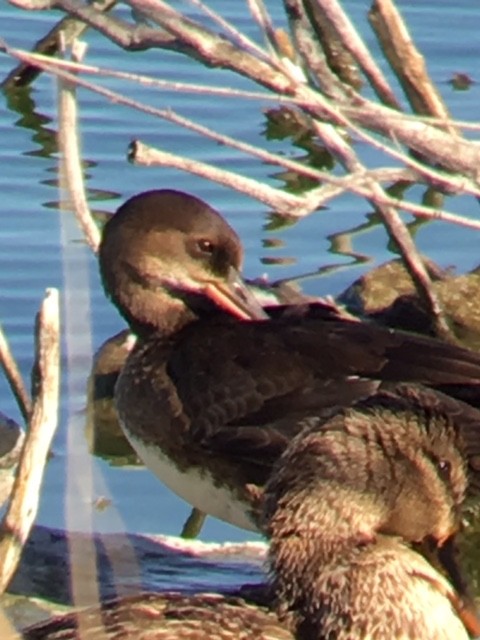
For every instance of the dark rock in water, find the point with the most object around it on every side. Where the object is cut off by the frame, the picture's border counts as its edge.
(105, 437)
(387, 295)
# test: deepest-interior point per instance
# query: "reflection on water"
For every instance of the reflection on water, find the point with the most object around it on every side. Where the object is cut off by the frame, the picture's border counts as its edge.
(20, 100)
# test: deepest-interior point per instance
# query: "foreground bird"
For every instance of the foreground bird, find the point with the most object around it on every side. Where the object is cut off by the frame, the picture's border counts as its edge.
(216, 386)
(342, 509)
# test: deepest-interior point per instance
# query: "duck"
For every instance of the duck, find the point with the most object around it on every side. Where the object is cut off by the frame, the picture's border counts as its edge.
(346, 508)
(217, 385)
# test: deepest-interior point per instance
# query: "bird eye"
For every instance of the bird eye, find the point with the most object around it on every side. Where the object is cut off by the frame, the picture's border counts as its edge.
(444, 468)
(206, 246)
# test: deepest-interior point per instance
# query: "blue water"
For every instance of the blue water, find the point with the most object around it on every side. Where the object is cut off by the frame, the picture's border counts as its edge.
(41, 247)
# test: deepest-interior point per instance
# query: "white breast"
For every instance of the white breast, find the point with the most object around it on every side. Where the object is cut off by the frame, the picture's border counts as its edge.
(195, 486)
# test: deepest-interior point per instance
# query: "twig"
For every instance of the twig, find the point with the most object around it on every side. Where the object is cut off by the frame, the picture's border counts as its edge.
(262, 18)
(300, 206)
(14, 378)
(38, 60)
(355, 45)
(407, 62)
(70, 149)
(282, 202)
(434, 177)
(177, 33)
(451, 152)
(395, 227)
(314, 198)
(23, 73)
(235, 34)
(18, 520)
(340, 60)
(311, 51)
(415, 267)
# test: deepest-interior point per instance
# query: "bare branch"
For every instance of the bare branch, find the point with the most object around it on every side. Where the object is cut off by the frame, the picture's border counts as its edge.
(353, 43)
(312, 53)
(23, 73)
(72, 165)
(406, 61)
(14, 377)
(415, 266)
(395, 227)
(130, 37)
(40, 60)
(451, 152)
(22, 510)
(280, 201)
(263, 20)
(236, 35)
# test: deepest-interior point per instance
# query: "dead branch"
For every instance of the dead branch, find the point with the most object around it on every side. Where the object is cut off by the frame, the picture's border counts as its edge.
(72, 166)
(426, 140)
(232, 31)
(23, 74)
(312, 54)
(280, 201)
(449, 151)
(395, 228)
(353, 43)
(339, 59)
(299, 205)
(14, 377)
(407, 62)
(18, 520)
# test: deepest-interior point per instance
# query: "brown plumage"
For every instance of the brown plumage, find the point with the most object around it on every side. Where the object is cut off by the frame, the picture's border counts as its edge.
(166, 617)
(343, 507)
(210, 401)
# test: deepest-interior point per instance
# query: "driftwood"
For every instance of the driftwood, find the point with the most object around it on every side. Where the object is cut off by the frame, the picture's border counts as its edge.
(30, 454)
(22, 509)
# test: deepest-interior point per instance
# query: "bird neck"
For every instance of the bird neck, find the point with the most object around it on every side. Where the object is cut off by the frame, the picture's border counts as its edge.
(307, 534)
(152, 311)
